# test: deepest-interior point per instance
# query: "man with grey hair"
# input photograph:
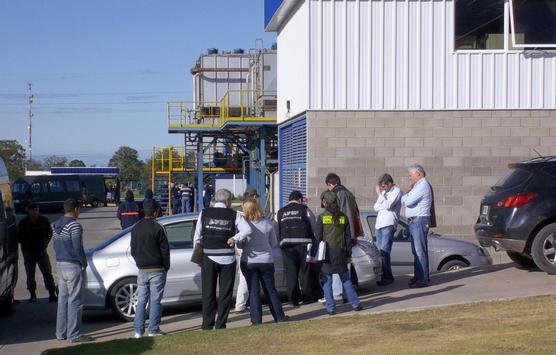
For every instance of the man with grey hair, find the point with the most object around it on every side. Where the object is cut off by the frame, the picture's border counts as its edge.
(418, 202)
(219, 228)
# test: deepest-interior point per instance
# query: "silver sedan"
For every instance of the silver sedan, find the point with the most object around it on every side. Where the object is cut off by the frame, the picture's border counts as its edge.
(444, 253)
(112, 274)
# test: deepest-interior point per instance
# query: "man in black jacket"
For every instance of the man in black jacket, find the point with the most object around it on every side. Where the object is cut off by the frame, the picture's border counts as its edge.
(296, 224)
(151, 252)
(34, 235)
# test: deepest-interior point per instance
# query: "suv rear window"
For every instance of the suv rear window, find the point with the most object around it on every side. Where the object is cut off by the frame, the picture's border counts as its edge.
(513, 178)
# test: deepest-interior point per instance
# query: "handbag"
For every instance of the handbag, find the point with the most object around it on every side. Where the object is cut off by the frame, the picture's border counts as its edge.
(197, 255)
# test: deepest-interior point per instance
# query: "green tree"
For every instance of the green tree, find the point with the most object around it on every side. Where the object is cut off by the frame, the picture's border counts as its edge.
(13, 155)
(76, 163)
(54, 160)
(127, 160)
(34, 165)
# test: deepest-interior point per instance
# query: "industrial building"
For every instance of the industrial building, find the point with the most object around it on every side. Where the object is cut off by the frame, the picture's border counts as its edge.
(372, 86)
(229, 127)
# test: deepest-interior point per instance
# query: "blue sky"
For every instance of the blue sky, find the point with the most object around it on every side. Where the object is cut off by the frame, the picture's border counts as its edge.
(103, 70)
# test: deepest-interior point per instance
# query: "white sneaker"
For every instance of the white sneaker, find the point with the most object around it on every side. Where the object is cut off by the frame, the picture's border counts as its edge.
(322, 300)
(338, 297)
(137, 336)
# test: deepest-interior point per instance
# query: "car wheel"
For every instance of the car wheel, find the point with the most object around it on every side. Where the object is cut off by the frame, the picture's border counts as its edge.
(522, 260)
(123, 299)
(543, 249)
(454, 264)
(94, 203)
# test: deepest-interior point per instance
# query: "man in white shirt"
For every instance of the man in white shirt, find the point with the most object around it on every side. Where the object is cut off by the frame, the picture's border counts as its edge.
(388, 206)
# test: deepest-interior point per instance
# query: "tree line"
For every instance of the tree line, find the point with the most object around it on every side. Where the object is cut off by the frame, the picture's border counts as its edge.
(125, 158)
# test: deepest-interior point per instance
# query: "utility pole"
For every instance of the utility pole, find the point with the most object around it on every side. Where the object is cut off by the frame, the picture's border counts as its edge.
(30, 126)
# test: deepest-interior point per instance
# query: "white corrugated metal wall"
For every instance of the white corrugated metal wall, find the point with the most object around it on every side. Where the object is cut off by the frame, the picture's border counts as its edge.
(398, 55)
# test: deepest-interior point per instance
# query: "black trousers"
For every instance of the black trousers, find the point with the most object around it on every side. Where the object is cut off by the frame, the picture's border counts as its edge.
(212, 272)
(31, 259)
(300, 273)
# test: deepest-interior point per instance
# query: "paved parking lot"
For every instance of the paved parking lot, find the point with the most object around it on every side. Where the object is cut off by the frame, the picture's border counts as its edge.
(30, 329)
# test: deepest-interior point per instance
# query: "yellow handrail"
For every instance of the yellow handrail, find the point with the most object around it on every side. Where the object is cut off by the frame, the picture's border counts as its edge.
(235, 106)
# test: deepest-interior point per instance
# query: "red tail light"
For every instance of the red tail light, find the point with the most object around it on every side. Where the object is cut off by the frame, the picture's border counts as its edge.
(516, 201)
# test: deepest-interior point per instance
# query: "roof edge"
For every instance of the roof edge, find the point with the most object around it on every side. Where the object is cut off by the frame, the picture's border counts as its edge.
(282, 14)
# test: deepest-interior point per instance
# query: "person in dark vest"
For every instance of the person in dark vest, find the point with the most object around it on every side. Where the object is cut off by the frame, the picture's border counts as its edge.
(295, 231)
(333, 228)
(34, 235)
(175, 198)
(128, 212)
(218, 230)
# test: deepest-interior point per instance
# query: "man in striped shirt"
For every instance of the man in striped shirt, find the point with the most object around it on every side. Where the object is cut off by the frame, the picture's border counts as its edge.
(71, 264)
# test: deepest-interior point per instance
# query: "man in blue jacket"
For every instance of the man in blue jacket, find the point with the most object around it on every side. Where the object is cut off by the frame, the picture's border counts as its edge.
(128, 212)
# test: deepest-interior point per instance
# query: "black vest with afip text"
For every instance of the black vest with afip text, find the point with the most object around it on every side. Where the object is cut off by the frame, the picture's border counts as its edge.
(295, 227)
(219, 225)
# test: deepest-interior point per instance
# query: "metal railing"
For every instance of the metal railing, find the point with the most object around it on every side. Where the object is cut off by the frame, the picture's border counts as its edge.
(235, 106)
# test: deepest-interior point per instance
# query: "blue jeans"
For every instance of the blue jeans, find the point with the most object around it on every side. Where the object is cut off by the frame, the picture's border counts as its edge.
(348, 287)
(385, 239)
(185, 204)
(149, 283)
(419, 229)
(71, 280)
(255, 275)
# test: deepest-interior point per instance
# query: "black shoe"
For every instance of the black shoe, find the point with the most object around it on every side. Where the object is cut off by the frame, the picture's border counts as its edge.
(14, 301)
(358, 308)
(418, 284)
(411, 281)
(33, 297)
(53, 299)
(384, 282)
(81, 339)
(331, 313)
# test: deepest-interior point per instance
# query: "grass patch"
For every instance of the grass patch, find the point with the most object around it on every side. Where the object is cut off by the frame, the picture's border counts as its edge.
(524, 326)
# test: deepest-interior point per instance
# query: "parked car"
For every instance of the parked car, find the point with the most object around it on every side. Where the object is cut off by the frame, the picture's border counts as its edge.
(444, 253)
(8, 243)
(50, 191)
(518, 215)
(112, 274)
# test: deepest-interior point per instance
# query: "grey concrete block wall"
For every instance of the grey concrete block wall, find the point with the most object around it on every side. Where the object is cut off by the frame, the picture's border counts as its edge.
(463, 153)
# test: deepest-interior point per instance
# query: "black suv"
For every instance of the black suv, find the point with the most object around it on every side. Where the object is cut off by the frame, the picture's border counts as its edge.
(518, 215)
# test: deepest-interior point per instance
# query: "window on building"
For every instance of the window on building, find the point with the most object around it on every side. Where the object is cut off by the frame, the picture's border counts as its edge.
(479, 24)
(533, 23)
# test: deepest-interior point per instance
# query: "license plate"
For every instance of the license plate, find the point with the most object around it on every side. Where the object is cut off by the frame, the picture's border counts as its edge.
(484, 210)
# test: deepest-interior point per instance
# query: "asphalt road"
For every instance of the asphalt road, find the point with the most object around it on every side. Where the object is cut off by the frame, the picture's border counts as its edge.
(31, 328)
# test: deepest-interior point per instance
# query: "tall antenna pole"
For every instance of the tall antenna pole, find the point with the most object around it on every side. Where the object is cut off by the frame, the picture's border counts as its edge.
(30, 127)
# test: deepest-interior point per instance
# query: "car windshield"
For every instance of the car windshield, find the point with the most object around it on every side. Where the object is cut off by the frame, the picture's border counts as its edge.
(513, 178)
(110, 240)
